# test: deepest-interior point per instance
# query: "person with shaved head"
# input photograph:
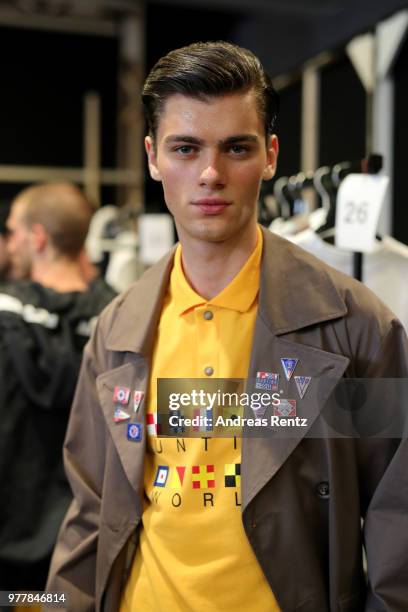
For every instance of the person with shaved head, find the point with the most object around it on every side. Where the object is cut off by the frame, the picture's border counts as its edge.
(47, 228)
(46, 314)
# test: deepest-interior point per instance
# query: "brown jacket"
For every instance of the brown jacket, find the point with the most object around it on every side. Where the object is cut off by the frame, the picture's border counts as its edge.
(303, 497)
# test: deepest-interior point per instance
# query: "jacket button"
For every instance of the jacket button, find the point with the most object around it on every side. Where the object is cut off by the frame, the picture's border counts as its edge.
(323, 490)
(208, 315)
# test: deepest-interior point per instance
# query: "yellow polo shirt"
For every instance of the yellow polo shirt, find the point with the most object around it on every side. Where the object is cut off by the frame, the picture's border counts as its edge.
(193, 553)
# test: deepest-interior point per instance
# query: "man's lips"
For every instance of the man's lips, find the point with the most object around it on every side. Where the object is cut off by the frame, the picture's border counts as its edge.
(211, 206)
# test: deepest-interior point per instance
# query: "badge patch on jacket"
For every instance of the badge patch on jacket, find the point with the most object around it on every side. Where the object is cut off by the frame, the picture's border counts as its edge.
(267, 380)
(134, 432)
(121, 395)
(120, 415)
(302, 383)
(137, 399)
(286, 408)
(289, 364)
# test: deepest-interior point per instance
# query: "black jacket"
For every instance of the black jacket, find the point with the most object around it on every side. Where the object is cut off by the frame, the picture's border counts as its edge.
(42, 335)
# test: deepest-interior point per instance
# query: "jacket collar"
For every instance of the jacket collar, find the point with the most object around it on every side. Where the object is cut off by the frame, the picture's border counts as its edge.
(139, 308)
(296, 291)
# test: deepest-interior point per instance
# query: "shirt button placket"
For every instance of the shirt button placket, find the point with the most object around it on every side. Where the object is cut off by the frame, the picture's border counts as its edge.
(208, 341)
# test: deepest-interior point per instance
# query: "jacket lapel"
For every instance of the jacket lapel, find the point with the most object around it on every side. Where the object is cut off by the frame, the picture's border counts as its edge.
(295, 292)
(262, 456)
(134, 377)
(131, 338)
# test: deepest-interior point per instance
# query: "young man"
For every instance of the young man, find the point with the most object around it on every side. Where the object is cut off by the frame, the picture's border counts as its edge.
(265, 523)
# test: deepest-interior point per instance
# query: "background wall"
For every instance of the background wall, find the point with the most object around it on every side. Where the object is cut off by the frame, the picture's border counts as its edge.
(44, 77)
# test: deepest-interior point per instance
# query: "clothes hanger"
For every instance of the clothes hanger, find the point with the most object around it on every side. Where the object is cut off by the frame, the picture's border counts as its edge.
(283, 197)
(327, 190)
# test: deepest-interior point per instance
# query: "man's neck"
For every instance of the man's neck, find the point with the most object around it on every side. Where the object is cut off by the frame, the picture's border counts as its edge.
(62, 275)
(210, 266)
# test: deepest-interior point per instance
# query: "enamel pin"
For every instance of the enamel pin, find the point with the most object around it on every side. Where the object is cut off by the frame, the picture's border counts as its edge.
(286, 408)
(137, 399)
(134, 432)
(121, 395)
(302, 383)
(120, 415)
(267, 380)
(289, 364)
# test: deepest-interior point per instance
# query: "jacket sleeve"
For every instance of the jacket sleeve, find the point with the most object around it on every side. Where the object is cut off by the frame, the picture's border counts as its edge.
(384, 477)
(73, 565)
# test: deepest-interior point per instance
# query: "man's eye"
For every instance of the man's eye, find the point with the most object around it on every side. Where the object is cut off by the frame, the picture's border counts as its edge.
(239, 149)
(184, 149)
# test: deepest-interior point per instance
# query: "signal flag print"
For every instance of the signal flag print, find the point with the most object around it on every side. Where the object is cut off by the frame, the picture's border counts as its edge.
(203, 476)
(232, 474)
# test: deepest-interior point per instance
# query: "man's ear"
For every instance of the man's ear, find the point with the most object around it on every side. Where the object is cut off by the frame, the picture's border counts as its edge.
(272, 158)
(151, 158)
(39, 237)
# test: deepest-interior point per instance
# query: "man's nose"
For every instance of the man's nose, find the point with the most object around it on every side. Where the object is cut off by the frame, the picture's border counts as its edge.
(212, 173)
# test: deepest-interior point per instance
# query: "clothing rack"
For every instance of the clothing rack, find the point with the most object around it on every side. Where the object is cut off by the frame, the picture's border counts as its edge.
(325, 181)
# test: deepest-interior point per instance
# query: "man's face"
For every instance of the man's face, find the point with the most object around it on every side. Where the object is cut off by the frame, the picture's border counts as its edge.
(211, 158)
(20, 243)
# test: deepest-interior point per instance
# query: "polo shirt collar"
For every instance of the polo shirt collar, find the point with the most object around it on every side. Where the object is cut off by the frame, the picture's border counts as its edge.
(239, 295)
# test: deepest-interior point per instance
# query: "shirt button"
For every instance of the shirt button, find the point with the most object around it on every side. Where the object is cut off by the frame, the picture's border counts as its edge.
(208, 371)
(208, 315)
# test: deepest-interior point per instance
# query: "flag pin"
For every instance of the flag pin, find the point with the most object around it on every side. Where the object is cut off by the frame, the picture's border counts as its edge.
(289, 364)
(267, 380)
(121, 395)
(120, 415)
(137, 399)
(302, 383)
(134, 432)
(286, 408)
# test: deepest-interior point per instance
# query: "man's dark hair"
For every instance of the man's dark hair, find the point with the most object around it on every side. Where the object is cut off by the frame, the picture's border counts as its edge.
(207, 69)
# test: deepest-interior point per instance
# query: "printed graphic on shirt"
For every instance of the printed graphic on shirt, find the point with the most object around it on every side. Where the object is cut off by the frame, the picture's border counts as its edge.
(202, 419)
(161, 476)
(153, 427)
(203, 477)
(187, 475)
(233, 475)
(176, 426)
(177, 476)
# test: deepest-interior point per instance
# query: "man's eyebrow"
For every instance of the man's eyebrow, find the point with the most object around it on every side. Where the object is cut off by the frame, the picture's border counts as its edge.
(183, 138)
(239, 138)
(226, 141)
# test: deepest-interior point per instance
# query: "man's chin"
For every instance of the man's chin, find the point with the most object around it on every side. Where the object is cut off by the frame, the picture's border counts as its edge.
(211, 233)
